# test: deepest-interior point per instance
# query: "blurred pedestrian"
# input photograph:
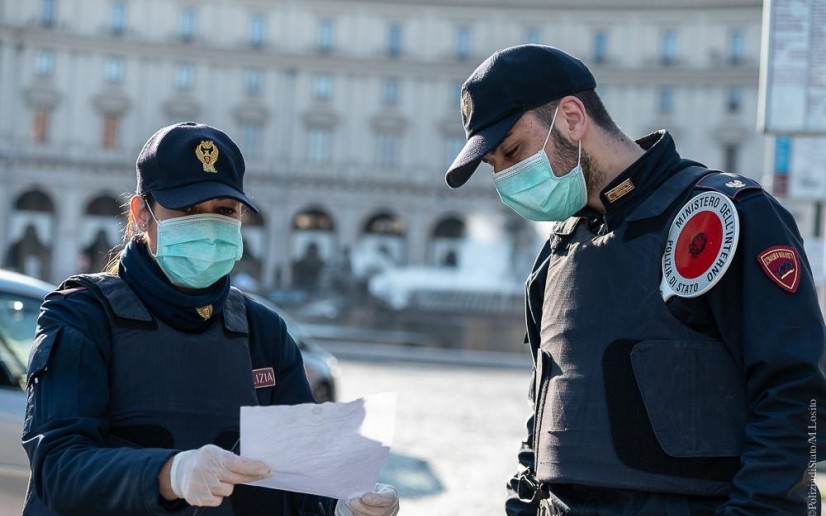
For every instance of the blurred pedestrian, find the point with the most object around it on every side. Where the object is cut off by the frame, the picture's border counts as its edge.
(137, 374)
(672, 314)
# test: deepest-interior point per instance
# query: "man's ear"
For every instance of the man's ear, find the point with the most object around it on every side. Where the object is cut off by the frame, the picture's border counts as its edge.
(575, 122)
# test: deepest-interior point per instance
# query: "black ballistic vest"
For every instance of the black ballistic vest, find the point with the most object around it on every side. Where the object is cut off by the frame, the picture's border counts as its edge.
(171, 389)
(628, 396)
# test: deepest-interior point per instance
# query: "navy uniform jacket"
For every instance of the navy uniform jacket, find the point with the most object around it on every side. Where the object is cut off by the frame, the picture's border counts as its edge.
(65, 430)
(778, 338)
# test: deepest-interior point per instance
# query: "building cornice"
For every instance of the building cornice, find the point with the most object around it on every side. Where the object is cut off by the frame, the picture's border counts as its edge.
(609, 5)
(447, 68)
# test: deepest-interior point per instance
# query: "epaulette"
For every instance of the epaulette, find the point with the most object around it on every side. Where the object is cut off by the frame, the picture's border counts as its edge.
(730, 185)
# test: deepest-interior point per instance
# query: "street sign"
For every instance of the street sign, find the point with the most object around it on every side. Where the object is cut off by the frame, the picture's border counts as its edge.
(793, 67)
(807, 168)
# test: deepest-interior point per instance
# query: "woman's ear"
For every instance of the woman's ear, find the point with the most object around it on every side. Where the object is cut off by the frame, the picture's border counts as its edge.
(139, 212)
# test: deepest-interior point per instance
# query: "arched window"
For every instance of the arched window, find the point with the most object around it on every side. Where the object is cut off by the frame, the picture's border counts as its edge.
(445, 242)
(101, 233)
(384, 224)
(313, 219)
(382, 244)
(313, 248)
(34, 200)
(31, 235)
(248, 272)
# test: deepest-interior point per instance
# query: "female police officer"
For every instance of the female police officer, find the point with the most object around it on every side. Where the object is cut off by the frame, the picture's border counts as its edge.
(156, 356)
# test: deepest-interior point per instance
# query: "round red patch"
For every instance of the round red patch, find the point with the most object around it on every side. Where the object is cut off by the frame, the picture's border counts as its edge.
(698, 244)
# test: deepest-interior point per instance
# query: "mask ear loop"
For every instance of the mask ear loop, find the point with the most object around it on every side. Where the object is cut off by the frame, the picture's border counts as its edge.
(551, 128)
(579, 143)
(151, 213)
(579, 154)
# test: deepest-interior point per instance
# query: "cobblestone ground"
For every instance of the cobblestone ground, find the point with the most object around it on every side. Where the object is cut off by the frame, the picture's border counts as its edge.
(457, 432)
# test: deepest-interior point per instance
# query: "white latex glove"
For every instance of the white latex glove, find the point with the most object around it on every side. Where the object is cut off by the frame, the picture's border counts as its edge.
(205, 476)
(383, 501)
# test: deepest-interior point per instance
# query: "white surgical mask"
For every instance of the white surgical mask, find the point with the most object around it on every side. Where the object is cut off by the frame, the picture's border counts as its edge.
(531, 189)
(195, 251)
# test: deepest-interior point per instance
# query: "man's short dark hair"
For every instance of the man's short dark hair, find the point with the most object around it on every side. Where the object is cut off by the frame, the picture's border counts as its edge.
(593, 106)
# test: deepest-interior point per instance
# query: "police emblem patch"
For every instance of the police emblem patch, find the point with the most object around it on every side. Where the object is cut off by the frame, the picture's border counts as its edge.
(207, 154)
(204, 311)
(466, 106)
(781, 265)
(700, 245)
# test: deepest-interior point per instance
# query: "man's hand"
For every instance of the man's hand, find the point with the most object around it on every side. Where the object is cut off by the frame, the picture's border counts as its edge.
(203, 477)
(383, 501)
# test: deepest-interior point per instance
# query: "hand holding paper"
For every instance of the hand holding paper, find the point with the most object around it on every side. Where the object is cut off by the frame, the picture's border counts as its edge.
(382, 501)
(330, 449)
(203, 477)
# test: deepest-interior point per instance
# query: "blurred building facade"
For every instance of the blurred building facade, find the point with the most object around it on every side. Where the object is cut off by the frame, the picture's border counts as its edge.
(346, 110)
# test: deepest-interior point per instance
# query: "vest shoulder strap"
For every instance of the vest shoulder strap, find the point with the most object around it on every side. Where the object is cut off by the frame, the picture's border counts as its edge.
(668, 192)
(235, 312)
(115, 295)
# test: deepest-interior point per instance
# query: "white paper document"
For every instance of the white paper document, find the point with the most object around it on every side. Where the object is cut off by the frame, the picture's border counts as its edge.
(330, 449)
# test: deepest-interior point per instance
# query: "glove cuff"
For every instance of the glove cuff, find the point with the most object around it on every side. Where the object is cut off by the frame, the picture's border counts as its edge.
(175, 472)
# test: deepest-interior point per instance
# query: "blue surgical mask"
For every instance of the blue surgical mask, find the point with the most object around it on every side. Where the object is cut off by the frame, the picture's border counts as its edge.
(195, 251)
(531, 189)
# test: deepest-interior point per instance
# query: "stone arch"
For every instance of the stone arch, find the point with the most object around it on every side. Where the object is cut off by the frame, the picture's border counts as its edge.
(31, 232)
(313, 246)
(445, 241)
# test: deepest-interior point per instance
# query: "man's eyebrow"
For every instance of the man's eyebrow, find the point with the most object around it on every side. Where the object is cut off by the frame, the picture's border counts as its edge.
(502, 143)
(507, 135)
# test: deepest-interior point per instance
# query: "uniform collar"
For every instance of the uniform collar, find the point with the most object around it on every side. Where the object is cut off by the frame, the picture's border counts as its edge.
(631, 187)
(182, 310)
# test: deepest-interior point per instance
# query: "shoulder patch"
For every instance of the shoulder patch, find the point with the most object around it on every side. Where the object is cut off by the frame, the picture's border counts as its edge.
(263, 377)
(782, 265)
(730, 185)
(700, 245)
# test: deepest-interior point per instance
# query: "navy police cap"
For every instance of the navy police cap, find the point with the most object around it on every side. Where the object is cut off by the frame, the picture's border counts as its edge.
(184, 164)
(505, 86)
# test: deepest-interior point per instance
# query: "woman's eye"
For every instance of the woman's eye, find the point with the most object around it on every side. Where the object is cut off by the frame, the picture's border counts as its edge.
(229, 212)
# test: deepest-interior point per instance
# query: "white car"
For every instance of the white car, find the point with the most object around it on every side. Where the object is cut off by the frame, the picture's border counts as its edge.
(20, 300)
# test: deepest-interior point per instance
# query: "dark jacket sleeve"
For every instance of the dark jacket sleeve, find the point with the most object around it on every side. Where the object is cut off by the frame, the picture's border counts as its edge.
(779, 338)
(513, 505)
(281, 352)
(534, 298)
(292, 388)
(65, 427)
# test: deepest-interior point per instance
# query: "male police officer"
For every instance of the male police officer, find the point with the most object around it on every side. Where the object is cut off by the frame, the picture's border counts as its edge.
(678, 343)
